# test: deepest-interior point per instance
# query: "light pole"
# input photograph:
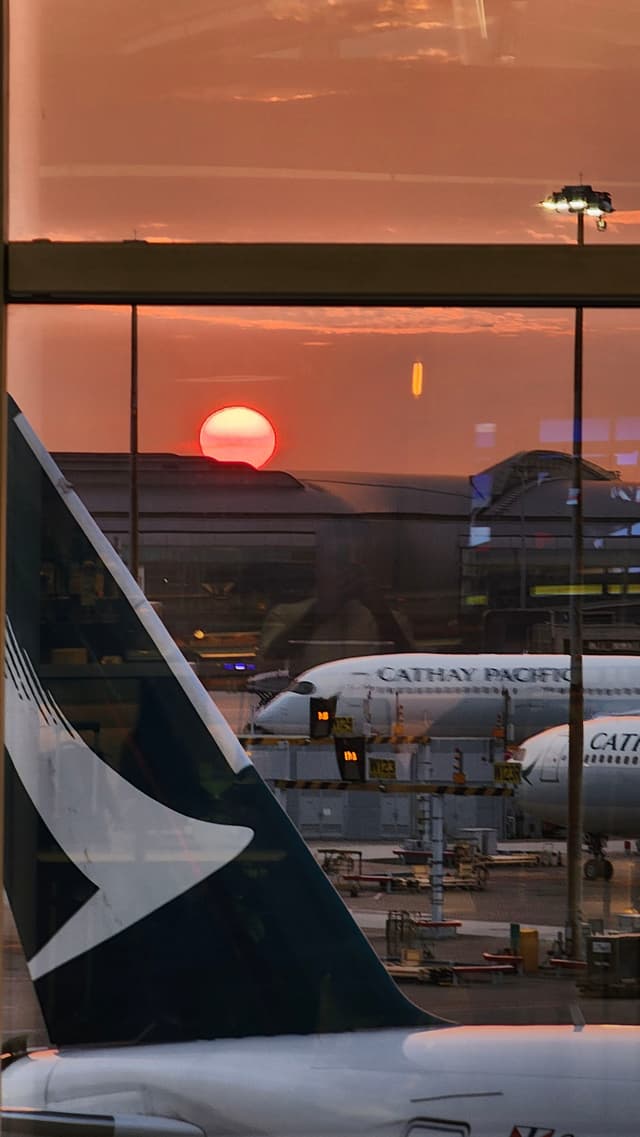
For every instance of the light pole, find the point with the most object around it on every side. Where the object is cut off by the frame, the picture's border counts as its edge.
(134, 523)
(579, 200)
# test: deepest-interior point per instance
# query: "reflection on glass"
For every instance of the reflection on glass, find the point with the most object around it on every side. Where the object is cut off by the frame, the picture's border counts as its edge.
(430, 524)
(174, 923)
(389, 518)
(313, 122)
(160, 859)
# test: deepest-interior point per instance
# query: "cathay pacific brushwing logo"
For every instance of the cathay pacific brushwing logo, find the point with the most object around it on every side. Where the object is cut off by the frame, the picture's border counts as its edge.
(114, 833)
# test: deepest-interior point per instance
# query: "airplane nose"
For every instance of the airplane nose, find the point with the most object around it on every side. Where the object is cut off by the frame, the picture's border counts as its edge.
(275, 717)
(527, 758)
(263, 717)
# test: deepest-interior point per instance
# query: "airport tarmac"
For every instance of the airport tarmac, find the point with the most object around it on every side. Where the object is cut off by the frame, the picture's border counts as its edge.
(533, 896)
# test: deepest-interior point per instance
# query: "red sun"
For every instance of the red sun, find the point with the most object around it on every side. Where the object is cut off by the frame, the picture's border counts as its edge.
(238, 434)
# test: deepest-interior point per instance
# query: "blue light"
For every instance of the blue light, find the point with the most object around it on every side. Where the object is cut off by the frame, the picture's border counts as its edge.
(479, 535)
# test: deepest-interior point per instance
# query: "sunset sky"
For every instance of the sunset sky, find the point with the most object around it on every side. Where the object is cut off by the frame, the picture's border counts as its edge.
(312, 120)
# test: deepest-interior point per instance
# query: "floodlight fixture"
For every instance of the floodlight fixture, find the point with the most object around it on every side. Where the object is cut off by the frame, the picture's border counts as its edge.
(581, 200)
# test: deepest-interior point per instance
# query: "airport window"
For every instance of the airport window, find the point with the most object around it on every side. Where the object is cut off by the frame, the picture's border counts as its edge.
(418, 500)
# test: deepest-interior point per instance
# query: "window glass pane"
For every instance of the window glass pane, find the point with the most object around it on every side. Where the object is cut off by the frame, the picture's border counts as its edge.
(307, 121)
(70, 370)
(119, 767)
(408, 508)
(422, 514)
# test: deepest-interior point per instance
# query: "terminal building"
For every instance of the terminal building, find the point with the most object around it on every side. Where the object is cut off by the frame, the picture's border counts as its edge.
(263, 573)
(261, 570)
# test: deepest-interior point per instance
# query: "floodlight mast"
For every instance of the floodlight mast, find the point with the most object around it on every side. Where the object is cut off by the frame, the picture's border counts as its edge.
(579, 200)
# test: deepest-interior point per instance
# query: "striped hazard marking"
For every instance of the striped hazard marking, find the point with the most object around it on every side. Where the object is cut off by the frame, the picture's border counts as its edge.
(393, 787)
(295, 740)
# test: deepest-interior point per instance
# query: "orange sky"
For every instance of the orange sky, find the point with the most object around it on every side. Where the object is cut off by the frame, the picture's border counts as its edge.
(378, 120)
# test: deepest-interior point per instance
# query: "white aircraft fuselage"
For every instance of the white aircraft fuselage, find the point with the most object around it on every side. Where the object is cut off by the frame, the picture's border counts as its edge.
(452, 695)
(610, 775)
(480, 1081)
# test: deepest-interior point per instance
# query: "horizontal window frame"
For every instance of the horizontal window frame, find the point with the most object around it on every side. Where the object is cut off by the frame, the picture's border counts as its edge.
(338, 275)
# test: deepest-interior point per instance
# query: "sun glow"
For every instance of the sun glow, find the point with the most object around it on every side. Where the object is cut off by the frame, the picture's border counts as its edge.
(238, 434)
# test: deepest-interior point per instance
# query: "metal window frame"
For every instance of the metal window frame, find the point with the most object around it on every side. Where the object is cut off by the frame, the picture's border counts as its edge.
(410, 275)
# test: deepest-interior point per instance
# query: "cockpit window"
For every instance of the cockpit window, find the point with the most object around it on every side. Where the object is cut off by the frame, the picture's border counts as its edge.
(304, 687)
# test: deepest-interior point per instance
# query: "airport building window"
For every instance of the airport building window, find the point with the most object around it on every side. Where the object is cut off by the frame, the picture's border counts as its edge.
(418, 500)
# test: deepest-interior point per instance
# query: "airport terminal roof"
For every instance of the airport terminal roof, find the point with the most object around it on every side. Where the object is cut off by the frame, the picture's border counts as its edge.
(529, 484)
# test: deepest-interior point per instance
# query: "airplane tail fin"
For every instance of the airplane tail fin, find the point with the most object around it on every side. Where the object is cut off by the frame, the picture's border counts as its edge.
(159, 890)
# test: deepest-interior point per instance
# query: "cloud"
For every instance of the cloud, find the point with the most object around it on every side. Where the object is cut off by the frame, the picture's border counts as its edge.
(438, 53)
(229, 94)
(557, 237)
(233, 379)
(625, 217)
(287, 97)
(333, 323)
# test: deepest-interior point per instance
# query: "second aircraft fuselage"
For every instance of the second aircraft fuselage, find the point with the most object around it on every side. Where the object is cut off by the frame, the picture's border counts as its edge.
(610, 775)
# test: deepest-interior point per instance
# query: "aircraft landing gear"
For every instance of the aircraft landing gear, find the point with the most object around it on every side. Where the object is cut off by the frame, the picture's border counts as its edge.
(597, 865)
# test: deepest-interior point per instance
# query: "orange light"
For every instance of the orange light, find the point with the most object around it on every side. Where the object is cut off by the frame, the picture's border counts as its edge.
(416, 380)
(350, 756)
(238, 434)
